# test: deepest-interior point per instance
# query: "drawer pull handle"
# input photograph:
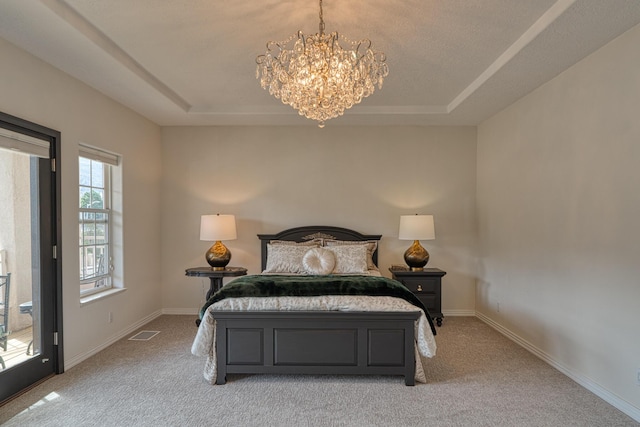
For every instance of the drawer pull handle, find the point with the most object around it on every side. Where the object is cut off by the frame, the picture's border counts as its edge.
(419, 288)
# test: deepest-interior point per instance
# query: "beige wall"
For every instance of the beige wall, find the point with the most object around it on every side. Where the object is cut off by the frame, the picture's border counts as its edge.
(558, 209)
(34, 91)
(362, 178)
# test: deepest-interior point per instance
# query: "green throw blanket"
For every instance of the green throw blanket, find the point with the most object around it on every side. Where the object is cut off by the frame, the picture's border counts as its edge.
(309, 286)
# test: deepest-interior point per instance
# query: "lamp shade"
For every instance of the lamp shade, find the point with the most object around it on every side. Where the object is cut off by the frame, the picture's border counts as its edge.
(416, 227)
(218, 227)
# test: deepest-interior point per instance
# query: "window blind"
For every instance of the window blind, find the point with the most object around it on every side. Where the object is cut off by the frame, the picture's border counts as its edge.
(15, 141)
(98, 154)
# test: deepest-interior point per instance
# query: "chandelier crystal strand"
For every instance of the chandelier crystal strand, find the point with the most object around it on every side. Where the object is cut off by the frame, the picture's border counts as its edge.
(319, 78)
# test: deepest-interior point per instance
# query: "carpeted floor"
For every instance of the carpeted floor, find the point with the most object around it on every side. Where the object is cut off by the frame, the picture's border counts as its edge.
(478, 378)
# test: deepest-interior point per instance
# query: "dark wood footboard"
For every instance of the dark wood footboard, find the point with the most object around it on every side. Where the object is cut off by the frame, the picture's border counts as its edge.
(290, 342)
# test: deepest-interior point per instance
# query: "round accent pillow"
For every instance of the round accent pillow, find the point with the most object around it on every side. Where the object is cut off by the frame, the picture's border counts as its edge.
(318, 261)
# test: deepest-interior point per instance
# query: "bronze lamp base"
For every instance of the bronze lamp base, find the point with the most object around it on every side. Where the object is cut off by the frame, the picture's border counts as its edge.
(416, 256)
(218, 256)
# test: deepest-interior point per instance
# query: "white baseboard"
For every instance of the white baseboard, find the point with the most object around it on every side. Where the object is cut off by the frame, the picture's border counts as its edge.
(459, 313)
(69, 363)
(588, 383)
(181, 311)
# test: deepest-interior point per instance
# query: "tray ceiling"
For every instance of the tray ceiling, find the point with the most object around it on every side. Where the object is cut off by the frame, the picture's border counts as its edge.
(452, 62)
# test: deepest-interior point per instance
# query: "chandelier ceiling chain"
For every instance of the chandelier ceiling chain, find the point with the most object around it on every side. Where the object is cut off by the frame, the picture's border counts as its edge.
(321, 25)
(317, 77)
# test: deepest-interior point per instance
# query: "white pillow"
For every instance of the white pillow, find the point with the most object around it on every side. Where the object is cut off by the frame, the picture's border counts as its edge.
(350, 259)
(319, 261)
(285, 259)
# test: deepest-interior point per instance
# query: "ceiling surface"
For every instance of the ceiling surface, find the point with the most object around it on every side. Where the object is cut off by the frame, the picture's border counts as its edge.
(192, 62)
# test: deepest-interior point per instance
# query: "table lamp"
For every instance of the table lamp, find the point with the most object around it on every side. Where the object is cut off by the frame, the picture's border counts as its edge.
(215, 228)
(416, 228)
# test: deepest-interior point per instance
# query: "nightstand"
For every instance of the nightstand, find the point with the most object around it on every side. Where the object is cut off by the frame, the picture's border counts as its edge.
(426, 285)
(215, 276)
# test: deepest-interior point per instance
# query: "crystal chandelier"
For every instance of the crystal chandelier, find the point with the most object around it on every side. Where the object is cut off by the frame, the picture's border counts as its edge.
(319, 78)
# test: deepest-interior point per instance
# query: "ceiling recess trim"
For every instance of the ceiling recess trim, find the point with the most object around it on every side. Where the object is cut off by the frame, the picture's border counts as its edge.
(95, 35)
(91, 32)
(553, 13)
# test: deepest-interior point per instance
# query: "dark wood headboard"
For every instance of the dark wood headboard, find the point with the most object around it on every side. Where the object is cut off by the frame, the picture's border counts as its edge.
(302, 234)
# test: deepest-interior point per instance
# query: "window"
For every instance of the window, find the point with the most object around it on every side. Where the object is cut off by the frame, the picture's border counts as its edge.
(95, 221)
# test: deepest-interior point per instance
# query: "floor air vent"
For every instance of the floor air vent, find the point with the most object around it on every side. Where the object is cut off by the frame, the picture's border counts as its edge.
(144, 335)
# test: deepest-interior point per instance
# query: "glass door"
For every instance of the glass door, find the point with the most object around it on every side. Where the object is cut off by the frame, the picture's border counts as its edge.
(29, 274)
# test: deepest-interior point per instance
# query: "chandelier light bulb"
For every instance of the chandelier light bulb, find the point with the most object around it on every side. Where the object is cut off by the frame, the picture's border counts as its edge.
(317, 77)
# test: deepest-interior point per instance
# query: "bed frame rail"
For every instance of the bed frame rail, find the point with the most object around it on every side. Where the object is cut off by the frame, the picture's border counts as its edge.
(361, 343)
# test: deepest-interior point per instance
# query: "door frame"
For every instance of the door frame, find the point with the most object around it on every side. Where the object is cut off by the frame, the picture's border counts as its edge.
(50, 259)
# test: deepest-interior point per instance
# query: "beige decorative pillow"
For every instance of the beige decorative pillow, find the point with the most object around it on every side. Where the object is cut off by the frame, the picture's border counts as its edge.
(319, 261)
(371, 245)
(350, 259)
(285, 259)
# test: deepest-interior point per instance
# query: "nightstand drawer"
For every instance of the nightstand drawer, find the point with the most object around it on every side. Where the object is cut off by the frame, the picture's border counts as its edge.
(430, 302)
(422, 285)
(426, 285)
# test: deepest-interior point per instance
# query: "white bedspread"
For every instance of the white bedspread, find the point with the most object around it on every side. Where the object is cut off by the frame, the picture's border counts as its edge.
(204, 342)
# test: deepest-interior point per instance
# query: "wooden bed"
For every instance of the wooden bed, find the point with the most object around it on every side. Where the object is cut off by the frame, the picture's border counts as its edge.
(315, 342)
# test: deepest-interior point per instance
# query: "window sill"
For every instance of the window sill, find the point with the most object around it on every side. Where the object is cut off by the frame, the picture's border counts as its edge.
(100, 295)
